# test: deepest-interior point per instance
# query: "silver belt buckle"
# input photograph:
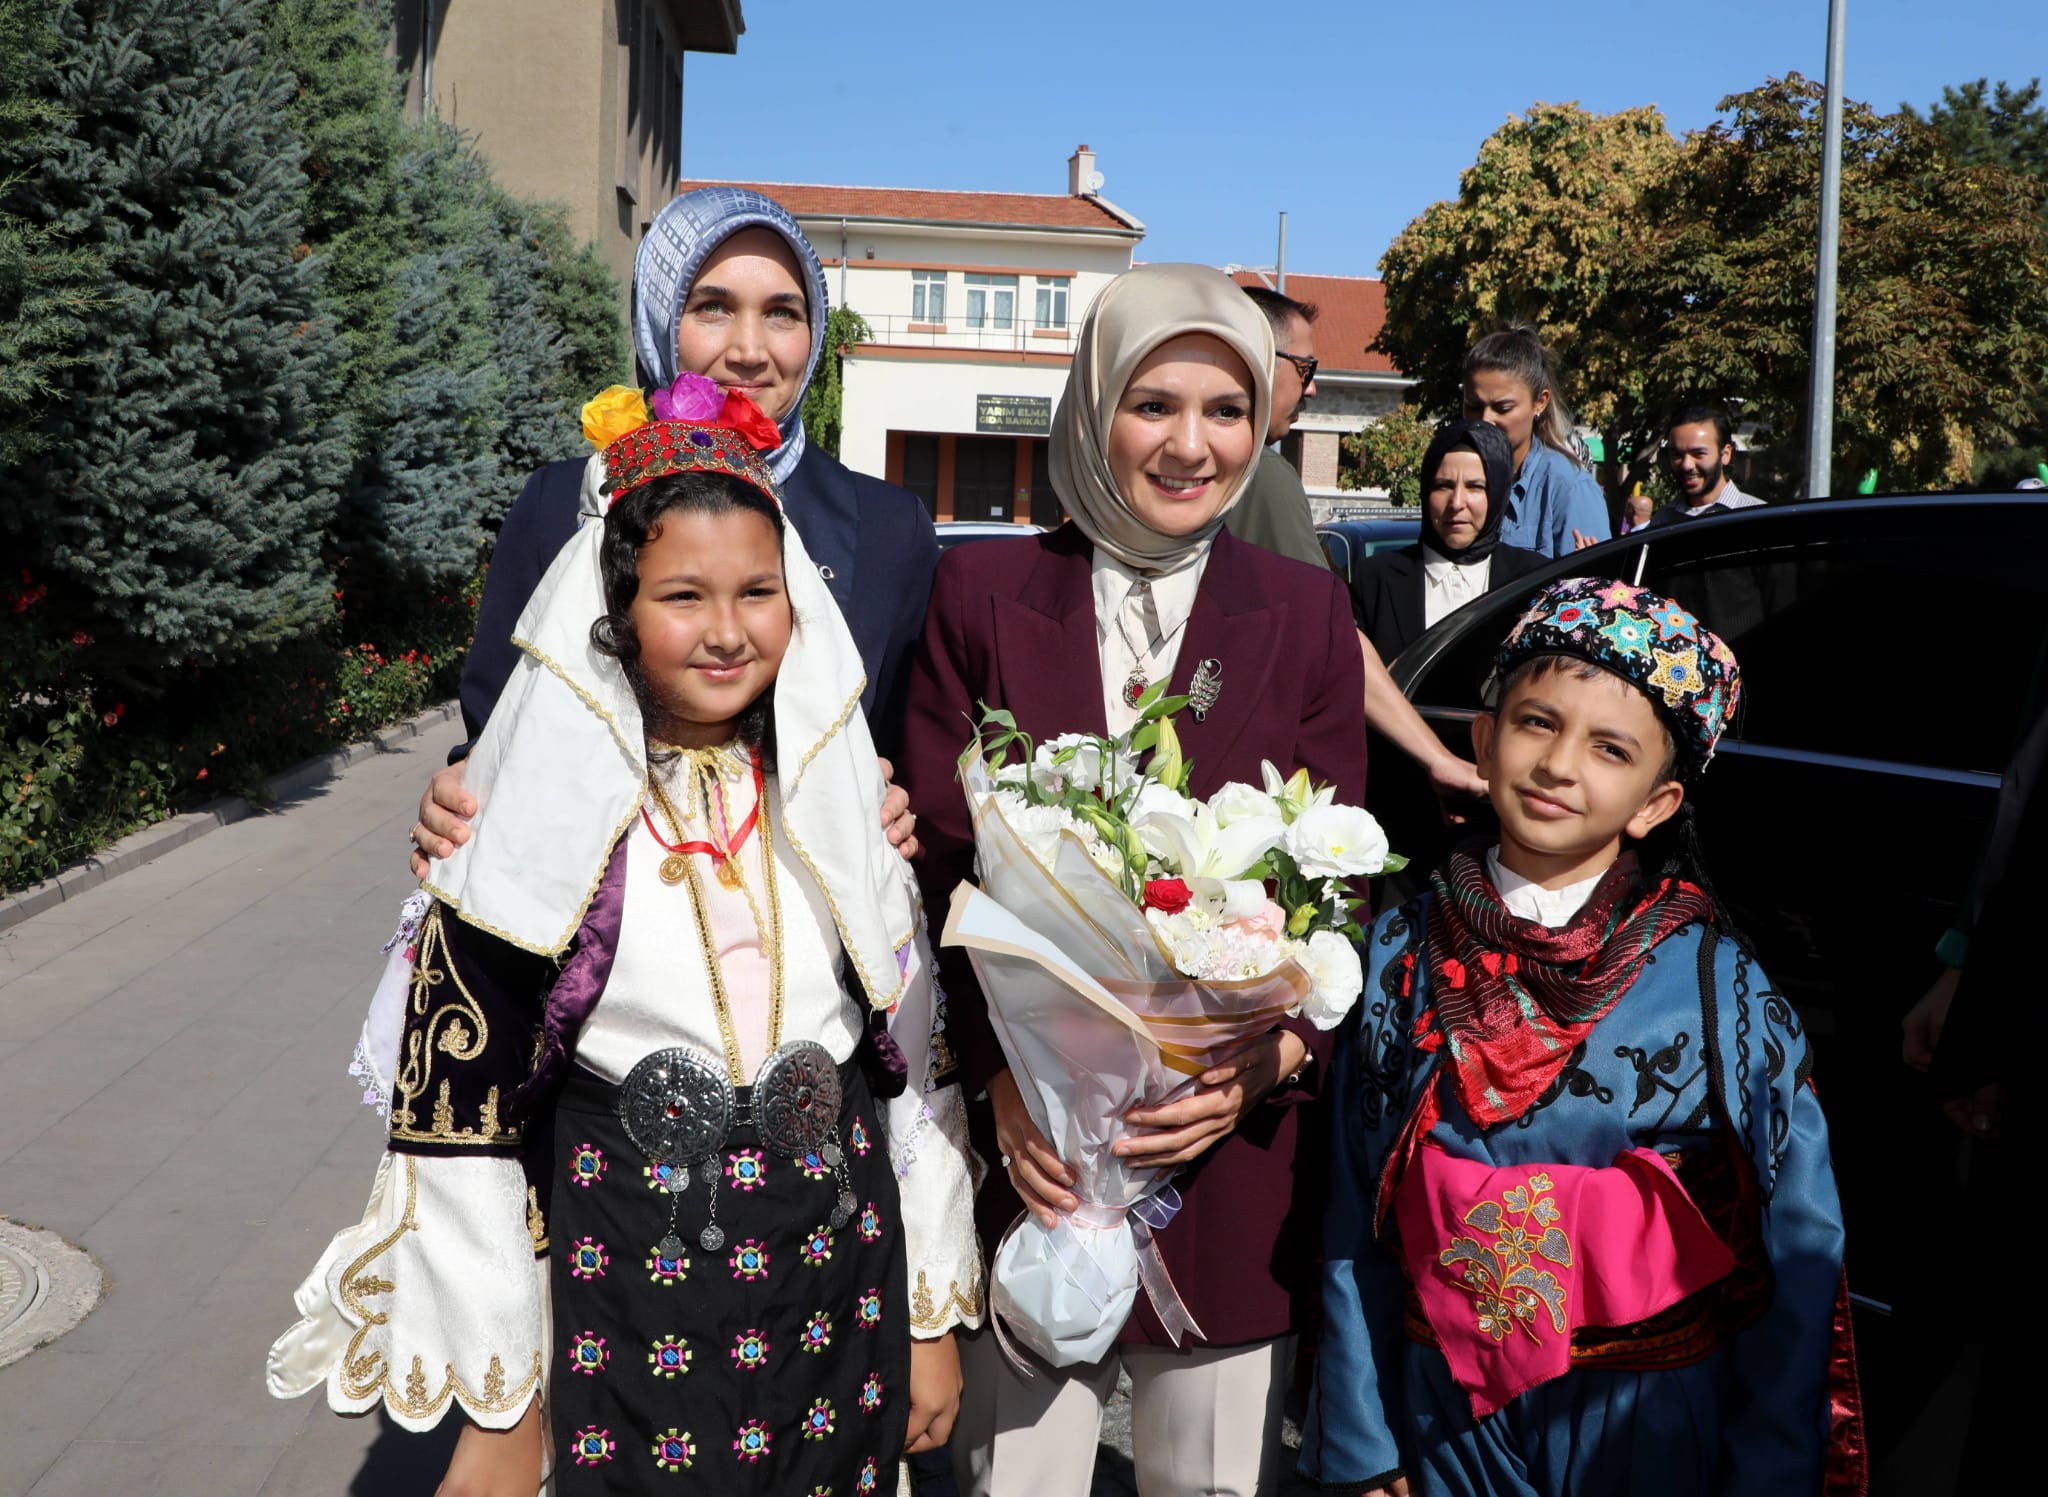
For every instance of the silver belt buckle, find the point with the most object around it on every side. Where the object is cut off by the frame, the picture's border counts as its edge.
(677, 1106)
(797, 1098)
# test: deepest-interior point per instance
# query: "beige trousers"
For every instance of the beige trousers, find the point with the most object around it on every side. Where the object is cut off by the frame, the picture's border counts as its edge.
(1204, 1420)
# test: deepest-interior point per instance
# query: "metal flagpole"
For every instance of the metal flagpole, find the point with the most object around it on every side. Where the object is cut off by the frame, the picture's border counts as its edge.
(1280, 266)
(1820, 418)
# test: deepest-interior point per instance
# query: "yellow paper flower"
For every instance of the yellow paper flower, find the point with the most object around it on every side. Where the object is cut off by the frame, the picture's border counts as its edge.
(611, 414)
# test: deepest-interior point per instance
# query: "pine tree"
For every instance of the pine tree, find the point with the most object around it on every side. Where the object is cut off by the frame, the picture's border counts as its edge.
(585, 300)
(191, 463)
(537, 424)
(46, 285)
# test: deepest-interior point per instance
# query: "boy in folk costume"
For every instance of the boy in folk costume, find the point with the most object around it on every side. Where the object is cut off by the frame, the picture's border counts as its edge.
(639, 1182)
(1584, 1235)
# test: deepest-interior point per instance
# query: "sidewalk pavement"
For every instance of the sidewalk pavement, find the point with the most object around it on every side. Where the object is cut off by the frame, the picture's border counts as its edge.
(174, 1097)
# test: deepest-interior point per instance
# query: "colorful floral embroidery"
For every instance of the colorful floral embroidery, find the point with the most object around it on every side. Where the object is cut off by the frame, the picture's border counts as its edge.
(857, 1137)
(814, 1165)
(1617, 595)
(1630, 634)
(1572, 616)
(818, 1246)
(1673, 622)
(819, 1491)
(587, 1354)
(749, 1350)
(818, 1421)
(870, 1310)
(662, 1270)
(870, 1223)
(673, 1449)
(593, 1446)
(670, 1357)
(587, 1259)
(1501, 1277)
(868, 1477)
(746, 1169)
(1677, 676)
(752, 1442)
(750, 1260)
(587, 1165)
(657, 1176)
(818, 1331)
(871, 1393)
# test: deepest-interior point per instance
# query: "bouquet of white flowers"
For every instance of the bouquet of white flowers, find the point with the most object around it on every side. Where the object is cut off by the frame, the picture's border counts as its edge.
(1128, 938)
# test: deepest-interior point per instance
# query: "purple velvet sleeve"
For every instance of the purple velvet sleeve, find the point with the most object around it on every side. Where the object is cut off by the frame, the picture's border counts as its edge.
(575, 992)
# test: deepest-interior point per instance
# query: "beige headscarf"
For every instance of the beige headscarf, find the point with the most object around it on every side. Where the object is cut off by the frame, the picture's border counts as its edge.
(1135, 313)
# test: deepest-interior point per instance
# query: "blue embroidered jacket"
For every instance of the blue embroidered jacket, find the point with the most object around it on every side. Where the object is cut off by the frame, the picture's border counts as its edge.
(1699, 1038)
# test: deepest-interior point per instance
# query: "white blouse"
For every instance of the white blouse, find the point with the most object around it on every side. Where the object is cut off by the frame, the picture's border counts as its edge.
(1118, 630)
(1447, 587)
(1528, 900)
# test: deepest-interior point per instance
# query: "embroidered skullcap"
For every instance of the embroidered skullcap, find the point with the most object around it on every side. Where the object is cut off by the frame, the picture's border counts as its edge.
(682, 237)
(1687, 671)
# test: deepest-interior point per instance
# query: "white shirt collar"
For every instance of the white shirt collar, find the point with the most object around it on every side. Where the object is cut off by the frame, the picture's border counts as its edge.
(1173, 595)
(1527, 900)
(1730, 497)
(1447, 586)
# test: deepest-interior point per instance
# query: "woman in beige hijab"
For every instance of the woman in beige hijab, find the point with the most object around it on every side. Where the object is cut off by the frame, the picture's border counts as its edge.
(1153, 442)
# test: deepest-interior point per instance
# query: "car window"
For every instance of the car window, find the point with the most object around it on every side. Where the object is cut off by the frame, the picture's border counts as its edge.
(1901, 633)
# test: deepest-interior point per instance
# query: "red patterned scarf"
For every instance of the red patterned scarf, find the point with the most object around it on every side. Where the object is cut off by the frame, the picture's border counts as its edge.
(1513, 998)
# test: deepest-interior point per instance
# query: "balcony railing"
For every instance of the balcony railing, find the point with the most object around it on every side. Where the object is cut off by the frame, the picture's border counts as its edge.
(988, 333)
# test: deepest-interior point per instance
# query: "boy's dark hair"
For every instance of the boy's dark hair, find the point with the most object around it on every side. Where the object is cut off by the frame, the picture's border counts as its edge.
(629, 526)
(1280, 307)
(1582, 670)
(1698, 414)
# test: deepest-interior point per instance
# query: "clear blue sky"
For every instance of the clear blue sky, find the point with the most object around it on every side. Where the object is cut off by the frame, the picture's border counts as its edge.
(1208, 118)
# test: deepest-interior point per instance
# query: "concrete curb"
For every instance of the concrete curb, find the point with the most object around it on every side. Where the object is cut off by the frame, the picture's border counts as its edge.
(153, 842)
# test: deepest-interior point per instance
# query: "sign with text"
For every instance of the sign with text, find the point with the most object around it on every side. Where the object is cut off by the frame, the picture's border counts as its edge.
(1018, 415)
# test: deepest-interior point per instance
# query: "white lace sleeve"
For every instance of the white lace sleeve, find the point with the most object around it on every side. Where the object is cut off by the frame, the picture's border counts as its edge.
(435, 1297)
(936, 1171)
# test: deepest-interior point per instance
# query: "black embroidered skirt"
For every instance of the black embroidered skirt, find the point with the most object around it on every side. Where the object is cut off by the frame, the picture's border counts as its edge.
(779, 1363)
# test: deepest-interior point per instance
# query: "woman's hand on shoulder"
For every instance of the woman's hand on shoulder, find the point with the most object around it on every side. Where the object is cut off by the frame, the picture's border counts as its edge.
(1205, 1117)
(934, 1393)
(899, 822)
(443, 823)
(497, 1462)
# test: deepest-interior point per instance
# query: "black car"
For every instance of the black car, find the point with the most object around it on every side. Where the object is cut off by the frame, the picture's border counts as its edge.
(1348, 542)
(1892, 650)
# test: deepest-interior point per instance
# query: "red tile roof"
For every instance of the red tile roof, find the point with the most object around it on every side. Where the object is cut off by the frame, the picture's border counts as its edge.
(1037, 210)
(1350, 310)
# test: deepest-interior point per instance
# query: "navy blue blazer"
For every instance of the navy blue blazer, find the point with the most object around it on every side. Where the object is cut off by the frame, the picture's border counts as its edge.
(873, 542)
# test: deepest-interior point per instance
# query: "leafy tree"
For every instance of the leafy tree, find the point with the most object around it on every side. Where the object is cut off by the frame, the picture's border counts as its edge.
(844, 327)
(1662, 271)
(1981, 125)
(582, 298)
(190, 467)
(46, 284)
(1388, 455)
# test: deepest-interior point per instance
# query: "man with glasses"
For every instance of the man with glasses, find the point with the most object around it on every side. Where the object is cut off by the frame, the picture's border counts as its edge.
(1274, 511)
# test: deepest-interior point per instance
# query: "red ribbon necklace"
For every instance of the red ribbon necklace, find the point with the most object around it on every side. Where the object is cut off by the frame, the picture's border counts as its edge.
(674, 867)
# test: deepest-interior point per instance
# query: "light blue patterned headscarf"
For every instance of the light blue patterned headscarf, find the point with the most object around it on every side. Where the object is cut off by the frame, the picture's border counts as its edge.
(676, 245)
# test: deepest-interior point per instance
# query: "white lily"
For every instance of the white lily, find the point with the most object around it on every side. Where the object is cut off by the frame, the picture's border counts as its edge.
(1196, 844)
(1295, 794)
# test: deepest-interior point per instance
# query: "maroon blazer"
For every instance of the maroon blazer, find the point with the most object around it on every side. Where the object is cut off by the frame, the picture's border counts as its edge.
(1012, 625)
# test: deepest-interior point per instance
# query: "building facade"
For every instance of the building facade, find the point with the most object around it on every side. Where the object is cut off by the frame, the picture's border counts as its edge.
(578, 102)
(972, 301)
(1354, 386)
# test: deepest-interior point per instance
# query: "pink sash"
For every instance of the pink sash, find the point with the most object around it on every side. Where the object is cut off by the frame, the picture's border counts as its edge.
(1508, 1262)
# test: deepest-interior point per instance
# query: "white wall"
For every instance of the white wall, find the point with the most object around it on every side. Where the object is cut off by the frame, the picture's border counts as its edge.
(884, 394)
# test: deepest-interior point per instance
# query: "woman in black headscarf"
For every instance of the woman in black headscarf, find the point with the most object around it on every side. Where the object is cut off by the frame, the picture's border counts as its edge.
(1467, 475)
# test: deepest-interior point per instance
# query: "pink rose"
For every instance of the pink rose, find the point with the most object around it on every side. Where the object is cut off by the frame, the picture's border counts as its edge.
(691, 398)
(1270, 922)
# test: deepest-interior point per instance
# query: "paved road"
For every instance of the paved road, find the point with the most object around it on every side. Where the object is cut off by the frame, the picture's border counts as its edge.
(174, 1097)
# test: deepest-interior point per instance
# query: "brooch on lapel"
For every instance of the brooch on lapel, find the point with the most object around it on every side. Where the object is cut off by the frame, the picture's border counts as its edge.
(1205, 687)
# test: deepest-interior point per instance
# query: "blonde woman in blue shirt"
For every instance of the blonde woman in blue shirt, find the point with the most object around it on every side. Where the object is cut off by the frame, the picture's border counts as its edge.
(1556, 506)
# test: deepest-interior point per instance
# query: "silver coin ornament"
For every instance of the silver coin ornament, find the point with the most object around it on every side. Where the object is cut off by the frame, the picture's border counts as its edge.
(832, 1155)
(842, 1209)
(676, 1105)
(797, 1100)
(670, 1247)
(678, 1180)
(712, 1238)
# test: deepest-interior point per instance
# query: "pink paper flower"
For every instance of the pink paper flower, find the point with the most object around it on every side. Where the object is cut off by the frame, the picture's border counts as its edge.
(691, 398)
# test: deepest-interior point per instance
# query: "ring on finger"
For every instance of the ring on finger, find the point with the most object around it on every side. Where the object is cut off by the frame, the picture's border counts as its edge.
(1006, 1161)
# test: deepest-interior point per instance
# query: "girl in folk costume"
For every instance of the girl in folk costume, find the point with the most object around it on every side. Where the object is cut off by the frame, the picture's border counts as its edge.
(1583, 1234)
(646, 1179)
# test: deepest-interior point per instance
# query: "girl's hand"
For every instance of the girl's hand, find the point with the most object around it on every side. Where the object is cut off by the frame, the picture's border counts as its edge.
(444, 818)
(1224, 1094)
(899, 822)
(1398, 1487)
(1040, 1177)
(934, 1393)
(496, 1462)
